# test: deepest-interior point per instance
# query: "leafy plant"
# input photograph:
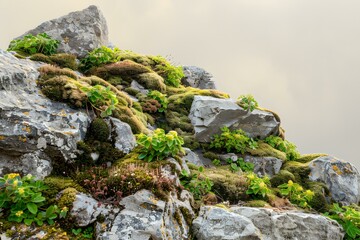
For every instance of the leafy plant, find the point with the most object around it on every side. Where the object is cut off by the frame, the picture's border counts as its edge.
(195, 183)
(159, 145)
(284, 146)
(240, 164)
(171, 74)
(22, 201)
(30, 44)
(247, 102)
(99, 56)
(348, 218)
(232, 141)
(216, 162)
(257, 186)
(101, 98)
(86, 234)
(296, 193)
(161, 98)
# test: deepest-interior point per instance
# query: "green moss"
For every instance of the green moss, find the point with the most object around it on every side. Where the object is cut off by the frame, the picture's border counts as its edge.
(115, 80)
(151, 81)
(319, 202)
(189, 140)
(300, 171)
(177, 120)
(131, 91)
(282, 177)
(127, 115)
(41, 58)
(187, 215)
(99, 130)
(210, 155)
(265, 150)
(56, 184)
(256, 203)
(49, 71)
(309, 157)
(64, 60)
(67, 198)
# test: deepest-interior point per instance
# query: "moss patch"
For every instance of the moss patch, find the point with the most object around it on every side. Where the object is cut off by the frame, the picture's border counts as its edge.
(67, 198)
(309, 157)
(300, 171)
(282, 177)
(265, 150)
(99, 130)
(256, 203)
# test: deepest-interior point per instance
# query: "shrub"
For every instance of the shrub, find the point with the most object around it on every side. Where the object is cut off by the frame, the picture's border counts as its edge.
(99, 56)
(30, 44)
(257, 186)
(232, 141)
(22, 201)
(283, 145)
(171, 74)
(296, 193)
(161, 98)
(247, 102)
(195, 183)
(159, 145)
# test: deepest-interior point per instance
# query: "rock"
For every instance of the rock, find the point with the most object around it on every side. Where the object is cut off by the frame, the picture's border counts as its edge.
(209, 114)
(215, 223)
(290, 224)
(198, 78)
(192, 157)
(78, 32)
(341, 178)
(135, 85)
(265, 165)
(146, 217)
(31, 125)
(122, 135)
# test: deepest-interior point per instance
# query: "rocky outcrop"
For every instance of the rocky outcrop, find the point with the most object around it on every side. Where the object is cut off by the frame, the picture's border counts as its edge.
(31, 126)
(265, 224)
(208, 115)
(198, 78)
(122, 135)
(264, 165)
(192, 157)
(341, 178)
(78, 32)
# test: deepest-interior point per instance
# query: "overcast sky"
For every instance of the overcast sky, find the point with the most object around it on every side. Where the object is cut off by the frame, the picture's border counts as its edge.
(299, 58)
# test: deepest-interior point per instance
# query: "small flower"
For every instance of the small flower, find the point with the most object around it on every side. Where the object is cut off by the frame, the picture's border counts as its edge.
(170, 137)
(173, 133)
(299, 189)
(21, 191)
(290, 183)
(64, 209)
(262, 185)
(12, 175)
(251, 176)
(309, 193)
(19, 213)
(15, 183)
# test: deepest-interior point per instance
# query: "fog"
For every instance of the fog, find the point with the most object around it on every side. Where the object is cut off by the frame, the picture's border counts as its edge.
(299, 58)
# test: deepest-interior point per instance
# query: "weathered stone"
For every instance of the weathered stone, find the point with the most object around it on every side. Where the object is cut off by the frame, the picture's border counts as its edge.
(198, 78)
(146, 217)
(264, 165)
(122, 135)
(209, 114)
(78, 32)
(137, 86)
(341, 178)
(192, 157)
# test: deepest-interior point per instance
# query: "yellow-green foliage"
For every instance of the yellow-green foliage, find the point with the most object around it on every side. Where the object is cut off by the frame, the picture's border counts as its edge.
(282, 177)
(63, 60)
(57, 184)
(309, 157)
(49, 71)
(256, 203)
(265, 150)
(67, 198)
(300, 171)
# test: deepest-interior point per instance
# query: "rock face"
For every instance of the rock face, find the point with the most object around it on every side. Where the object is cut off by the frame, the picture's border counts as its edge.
(261, 223)
(265, 165)
(33, 130)
(122, 135)
(208, 115)
(146, 217)
(341, 178)
(78, 32)
(198, 78)
(192, 157)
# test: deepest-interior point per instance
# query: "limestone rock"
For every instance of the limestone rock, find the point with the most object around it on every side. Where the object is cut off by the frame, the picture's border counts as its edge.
(198, 78)
(137, 86)
(265, 165)
(78, 32)
(209, 114)
(122, 135)
(341, 178)
(192, 157)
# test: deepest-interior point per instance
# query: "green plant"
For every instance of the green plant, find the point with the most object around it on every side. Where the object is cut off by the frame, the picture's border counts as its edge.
(22, 201)
(101, 98)
(86, 233)
(240, 164)
(171, 74)
(159, 145)
(283, 145)
(161, 98)
(296, 193)
(216, 162)
(348, 218)
(99, 56)
(30, 44)
(195, 183)
(232, 141)
(247, 102)
(257, 186)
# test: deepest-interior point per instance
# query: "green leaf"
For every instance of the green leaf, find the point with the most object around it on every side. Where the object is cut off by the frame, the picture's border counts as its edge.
(32, 207)
(37, 198)
(28, 221)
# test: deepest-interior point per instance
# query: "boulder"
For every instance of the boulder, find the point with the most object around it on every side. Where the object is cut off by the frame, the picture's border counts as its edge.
(137, 86)
(146, 217)
(209, 114)
(341, 178)
(192, 157)
(197, 78)
(122, 135)
(264, 165)
(78, 32)
(34, 131)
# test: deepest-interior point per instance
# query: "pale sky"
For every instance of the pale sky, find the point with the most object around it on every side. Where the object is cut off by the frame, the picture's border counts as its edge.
(297, 57)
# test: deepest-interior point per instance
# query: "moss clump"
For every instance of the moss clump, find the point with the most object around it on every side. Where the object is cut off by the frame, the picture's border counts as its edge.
(131, 91)
(309, 157)
(67, 198)
(256, 203)
(210, 155)
(151, 81)
(265, 150)
(99, 130)
(282, 177)
(177, 120)
(49, 71)
(189, 139)
(56, 184)
(64, 60)
(41, 58)
(319, 202)
(300, 171)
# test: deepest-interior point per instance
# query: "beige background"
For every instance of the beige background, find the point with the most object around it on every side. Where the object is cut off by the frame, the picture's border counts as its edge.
(299, 58)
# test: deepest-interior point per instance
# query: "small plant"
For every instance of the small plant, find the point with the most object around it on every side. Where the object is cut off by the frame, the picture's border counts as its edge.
(247, 102)
(101, 98)
(150, 106)
(86, 233)
(216, 162)
(195, 183)
(159, 145)
(296, 194)
(240, 164)
(171, 74)
(22, 201)
(258, 186)
(161, 98)
(284, 146)
(232, 141)
(30, 44)
(348, 218)
(99, 56)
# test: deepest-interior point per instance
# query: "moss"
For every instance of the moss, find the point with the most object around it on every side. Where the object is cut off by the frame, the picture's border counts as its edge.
(189, 140)
(177, 120)
(265, 150)
(309, 157)
(99, 130)
(151, 81)
(49, 71)
(67, 198)
(64, 60)
(282, 177)
(210, 155)
(187, 215)
(41, 58)
(319, 202)
(114, 80)
(125, 114)
(256, 203)
(56, 184)
(131, 91)
(300, 171)
(209, 199)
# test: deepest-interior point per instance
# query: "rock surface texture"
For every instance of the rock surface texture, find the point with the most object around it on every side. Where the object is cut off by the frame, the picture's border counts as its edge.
(265, 224)
(341, 178)
(32, 127)
(122, 135)
(198, 78)
(78, 32)
(209, 114)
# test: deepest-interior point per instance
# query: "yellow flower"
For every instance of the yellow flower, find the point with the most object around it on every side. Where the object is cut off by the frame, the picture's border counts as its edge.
(262, 185)
(19, 213)
(251, 176)
(158, 130)
(12, 175)
(149, 139)
(290, 183)
(21, 190)
(174, 133)
(170, 137)
(64, 209)
(309, 193)
(299, 188)
(15, 183)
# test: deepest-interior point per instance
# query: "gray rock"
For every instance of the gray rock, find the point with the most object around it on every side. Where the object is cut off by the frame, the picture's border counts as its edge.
(209, 114)
(225, 157)
(122, 135)
(137, 86)
(341, 178)
(198, 78)
(265, 165)
(146, 217)
(192, 157)
(31, 125)
(78, 32)
(290, 224)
